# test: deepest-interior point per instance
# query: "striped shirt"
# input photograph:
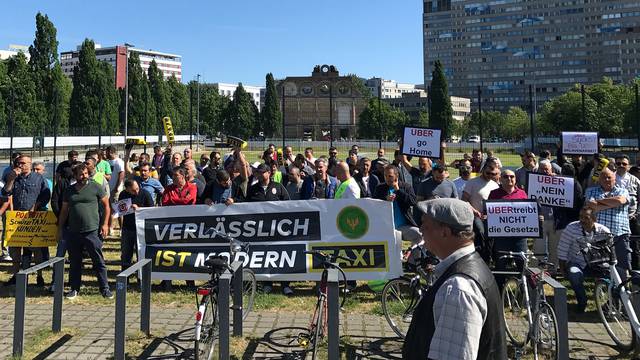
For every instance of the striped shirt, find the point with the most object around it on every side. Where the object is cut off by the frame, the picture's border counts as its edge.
(617, 218)
(574, 239)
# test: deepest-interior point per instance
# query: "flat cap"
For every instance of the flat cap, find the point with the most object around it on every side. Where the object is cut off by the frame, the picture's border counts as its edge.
(453, 212)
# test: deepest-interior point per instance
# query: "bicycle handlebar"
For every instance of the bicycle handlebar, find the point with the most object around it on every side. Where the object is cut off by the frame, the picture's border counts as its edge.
(520, 254)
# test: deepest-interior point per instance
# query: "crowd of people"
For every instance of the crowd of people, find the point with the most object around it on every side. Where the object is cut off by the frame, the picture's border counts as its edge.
(83, 191)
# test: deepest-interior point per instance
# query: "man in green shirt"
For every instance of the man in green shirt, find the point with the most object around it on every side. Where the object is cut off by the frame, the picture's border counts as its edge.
(102, 166)
(80, 203)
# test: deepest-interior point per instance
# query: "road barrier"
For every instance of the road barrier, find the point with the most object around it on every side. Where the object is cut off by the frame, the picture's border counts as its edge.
(333, 315)
(121, 304)
(21, 297)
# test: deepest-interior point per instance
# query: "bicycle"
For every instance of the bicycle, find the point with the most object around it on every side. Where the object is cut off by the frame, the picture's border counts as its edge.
(317, 329)
(526, 321)
(612, 295)
(207, 313)
(401, 296)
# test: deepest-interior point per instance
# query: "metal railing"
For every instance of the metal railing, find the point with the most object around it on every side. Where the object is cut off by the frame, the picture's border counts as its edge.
(333, 315)
(562, 317)
(229, 280)
(21, 297)
(121, 304)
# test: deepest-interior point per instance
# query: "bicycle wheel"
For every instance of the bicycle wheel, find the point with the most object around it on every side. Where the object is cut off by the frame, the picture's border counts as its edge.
(613, 315)
(545, 341)
(204, 345)
(249, 285)
(515, 311)
(318, 335)
(399, 300)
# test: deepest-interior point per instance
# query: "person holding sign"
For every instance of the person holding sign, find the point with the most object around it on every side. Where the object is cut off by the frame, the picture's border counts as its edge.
(611, 204)
(128, 237)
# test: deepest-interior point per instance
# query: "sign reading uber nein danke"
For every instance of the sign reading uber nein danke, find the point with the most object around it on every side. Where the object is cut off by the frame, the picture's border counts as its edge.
(300, 226)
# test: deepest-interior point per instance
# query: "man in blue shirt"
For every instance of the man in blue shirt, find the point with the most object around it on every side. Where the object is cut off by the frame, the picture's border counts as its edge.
(29, 191)
(149, 184)
(219, 190)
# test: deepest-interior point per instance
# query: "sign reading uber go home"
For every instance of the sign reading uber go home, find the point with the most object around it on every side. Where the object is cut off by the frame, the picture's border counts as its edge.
(178, 239)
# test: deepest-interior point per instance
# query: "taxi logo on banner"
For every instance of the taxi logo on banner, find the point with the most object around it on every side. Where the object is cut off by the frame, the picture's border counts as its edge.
(352, 222)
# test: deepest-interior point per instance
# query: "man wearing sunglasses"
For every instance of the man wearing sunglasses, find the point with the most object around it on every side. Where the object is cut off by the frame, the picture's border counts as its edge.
(464, 170)
(625, 180)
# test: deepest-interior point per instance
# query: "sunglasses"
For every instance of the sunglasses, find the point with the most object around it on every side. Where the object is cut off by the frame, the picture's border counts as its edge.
(508, 176)
(622, 164)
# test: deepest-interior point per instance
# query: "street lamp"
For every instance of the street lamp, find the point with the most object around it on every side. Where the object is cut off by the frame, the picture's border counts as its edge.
(284, 94)
(532, 95)
(380, 112)
(126, 91)
(329, 88)
(198, 118)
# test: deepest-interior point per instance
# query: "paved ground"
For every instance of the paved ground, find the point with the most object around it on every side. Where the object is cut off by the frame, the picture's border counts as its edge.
(267, 334)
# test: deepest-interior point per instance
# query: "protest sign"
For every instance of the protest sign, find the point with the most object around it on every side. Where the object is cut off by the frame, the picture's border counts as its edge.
(178, 239)
(121, 208)
(579, 143)
(422, 142)
(513, 219)
(168, 130)
(550, 190)
(31, 229)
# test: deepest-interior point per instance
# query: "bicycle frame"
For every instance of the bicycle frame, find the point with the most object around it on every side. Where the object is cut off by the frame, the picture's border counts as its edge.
(617, 286)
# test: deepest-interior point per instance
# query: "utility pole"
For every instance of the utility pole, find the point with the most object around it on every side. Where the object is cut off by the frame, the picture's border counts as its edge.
(331, 112)
(198, 118)
(480, 118)
(380, 113)
(283, 114)
(190, 117)
(11, 122)
(146, 104)
(532, 118)
(584, 115)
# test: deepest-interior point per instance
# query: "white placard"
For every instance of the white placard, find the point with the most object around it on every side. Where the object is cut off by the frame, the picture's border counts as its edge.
(556, 191)
(179, 239)
(579, 143)
(514, 219)
(121, 208)
(421, 142)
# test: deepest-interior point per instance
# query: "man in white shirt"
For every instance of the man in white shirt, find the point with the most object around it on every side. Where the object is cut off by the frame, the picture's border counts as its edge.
(572, 262)
(475, 192)
(464, 170)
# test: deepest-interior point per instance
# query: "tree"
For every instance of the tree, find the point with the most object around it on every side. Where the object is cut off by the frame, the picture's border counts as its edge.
(3, 83)
(564, 113)
(441, 110)
(179, 99)
(108, 99)
(388, 120)
(19, 90)
(84, 103)
(516, 125)
(271, 114)
(160, 97)
(612, 101)
(242, 114)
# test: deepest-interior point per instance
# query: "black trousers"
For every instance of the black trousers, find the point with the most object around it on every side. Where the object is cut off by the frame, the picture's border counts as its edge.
(635, 243)
(91, 242)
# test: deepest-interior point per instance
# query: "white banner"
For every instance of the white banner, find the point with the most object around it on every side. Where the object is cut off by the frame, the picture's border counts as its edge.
(421, 142)
(579, 143)
(549, 190)
(178, 239)
(513, 218)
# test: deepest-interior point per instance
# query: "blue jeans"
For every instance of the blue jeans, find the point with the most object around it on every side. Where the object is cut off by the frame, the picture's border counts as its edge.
(623, 254)
(576, 275)
(91, 242)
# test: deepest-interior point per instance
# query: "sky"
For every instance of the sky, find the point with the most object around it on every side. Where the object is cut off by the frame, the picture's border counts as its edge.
(240, 41)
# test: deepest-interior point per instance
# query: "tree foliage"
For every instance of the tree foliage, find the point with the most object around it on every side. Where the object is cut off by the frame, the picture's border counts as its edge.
(271, 123)
(375, 120)
(441, 110)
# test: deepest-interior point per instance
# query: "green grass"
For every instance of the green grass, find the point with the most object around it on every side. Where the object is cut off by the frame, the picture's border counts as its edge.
(41, 339)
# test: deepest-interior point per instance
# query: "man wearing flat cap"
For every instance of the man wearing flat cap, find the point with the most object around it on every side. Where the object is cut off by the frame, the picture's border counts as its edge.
(461, 315)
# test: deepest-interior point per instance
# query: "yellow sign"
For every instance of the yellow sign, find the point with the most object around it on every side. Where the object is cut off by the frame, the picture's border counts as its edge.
(236, 142)
(136, 141)
(168, 130)
(31, 229)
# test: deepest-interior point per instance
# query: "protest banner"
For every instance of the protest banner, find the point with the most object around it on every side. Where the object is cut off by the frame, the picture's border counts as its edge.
(513, 218)
(178, 239)
(168, 130)
(121, 208)
(31, 229)
(556, 191)
(579, 143)
(422, 142)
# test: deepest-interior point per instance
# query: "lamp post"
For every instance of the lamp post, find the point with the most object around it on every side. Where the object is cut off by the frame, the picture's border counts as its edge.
(126, 92)
(329, 87)
(190, 117)
(380, 113)
(283, 114)
(198, 118)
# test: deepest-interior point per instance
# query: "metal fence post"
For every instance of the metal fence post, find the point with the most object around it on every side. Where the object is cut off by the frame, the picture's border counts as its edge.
(562, 318)
(18, 322)
(121, 316)
(223, 314)
(238, 289)
(333, 315)
(145, 301)
(58, 286)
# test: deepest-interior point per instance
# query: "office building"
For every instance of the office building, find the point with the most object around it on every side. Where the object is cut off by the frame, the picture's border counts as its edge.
(13, 50)
(307, 104)
(228, 90)
(412, 103)
(390, 88)
(504, 46)
(168, 64)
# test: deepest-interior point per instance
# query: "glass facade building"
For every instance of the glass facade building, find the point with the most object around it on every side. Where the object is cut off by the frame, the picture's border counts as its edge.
(506, 46)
